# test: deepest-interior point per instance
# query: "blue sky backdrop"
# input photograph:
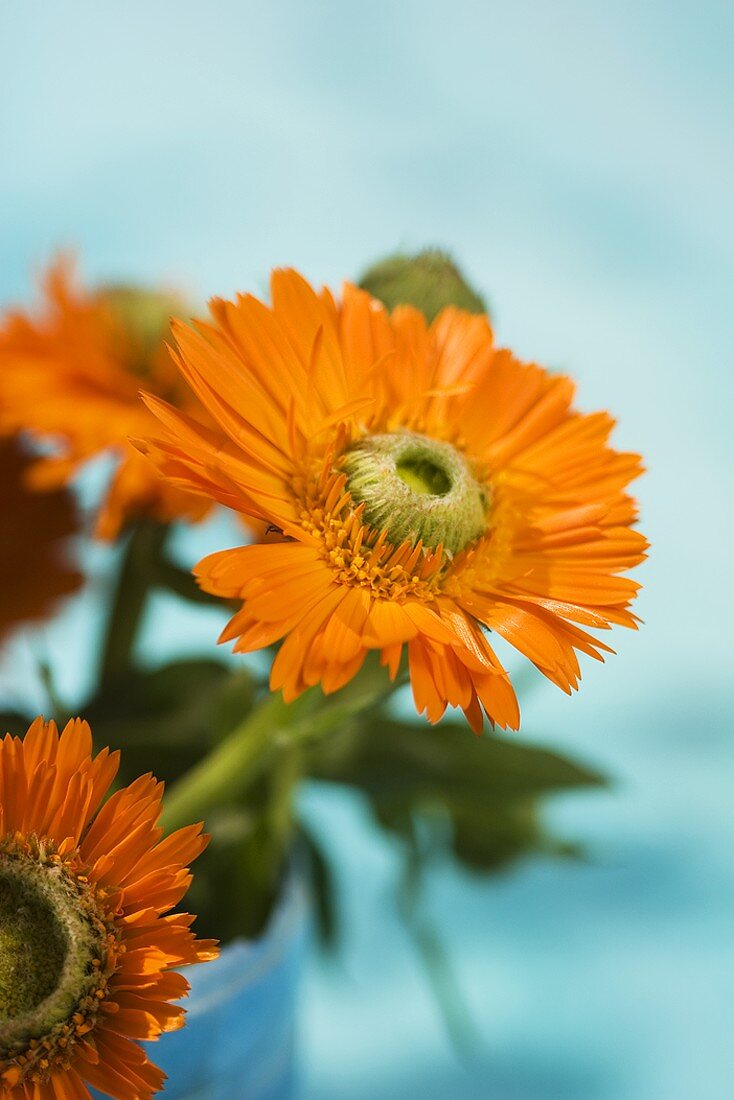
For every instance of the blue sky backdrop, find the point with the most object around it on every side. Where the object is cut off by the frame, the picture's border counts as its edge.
(578, 158)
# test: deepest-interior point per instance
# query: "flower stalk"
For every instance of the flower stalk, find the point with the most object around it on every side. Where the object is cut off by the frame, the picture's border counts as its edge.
(272, 729)
(134, 581)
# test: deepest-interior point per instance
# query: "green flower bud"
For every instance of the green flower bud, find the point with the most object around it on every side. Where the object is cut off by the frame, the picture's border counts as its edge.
(430, 281)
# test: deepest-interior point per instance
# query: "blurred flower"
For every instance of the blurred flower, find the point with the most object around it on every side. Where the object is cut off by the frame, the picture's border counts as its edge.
(34, 570)
(87, 939)
(426, 486)
(71, 376)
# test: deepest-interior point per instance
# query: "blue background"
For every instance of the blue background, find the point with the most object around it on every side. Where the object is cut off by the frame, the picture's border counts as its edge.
(579, 159)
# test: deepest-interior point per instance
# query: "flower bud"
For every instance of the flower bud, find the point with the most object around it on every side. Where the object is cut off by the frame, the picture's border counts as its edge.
(430, 281)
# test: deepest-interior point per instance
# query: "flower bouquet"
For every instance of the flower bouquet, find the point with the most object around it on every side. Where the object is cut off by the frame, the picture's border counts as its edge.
(407, 497)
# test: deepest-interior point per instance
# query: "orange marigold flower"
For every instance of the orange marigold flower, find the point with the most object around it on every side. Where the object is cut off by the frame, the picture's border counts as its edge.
(71, 376)
(34, 570)
(88, 941)
(428, 488)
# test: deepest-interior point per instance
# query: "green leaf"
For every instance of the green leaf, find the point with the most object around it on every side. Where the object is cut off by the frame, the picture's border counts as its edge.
(390, 756)
(483, 795)
(181, 582)
(166, 719)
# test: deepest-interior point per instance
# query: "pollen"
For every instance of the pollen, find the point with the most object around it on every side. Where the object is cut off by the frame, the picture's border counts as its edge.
(363, 555)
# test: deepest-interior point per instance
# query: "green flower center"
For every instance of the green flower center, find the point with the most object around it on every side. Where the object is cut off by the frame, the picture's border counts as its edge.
(418, 488)
(32, 947)
(47, 947)
(423, 476)
(144, 316)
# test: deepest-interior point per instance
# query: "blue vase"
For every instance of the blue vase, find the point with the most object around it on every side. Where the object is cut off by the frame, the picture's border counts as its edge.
(238, 1042)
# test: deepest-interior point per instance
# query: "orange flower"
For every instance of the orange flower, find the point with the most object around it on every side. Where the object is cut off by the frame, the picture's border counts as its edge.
(87, 937)
(72, 375)
(34, 572)
(428, 486)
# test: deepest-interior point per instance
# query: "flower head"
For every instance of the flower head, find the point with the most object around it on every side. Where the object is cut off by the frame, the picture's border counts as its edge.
(71, 377)
(34, 569)
(87, 937)
(428, 488)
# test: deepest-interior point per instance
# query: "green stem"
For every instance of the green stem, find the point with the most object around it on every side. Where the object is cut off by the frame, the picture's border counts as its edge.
(275, 840)
(228, 770)
(181, 582)
(432, 950)
(286, 774)
(274, 726)
(134, 581)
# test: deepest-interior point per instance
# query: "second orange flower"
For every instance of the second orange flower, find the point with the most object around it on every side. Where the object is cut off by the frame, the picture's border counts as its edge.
(70, 376)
